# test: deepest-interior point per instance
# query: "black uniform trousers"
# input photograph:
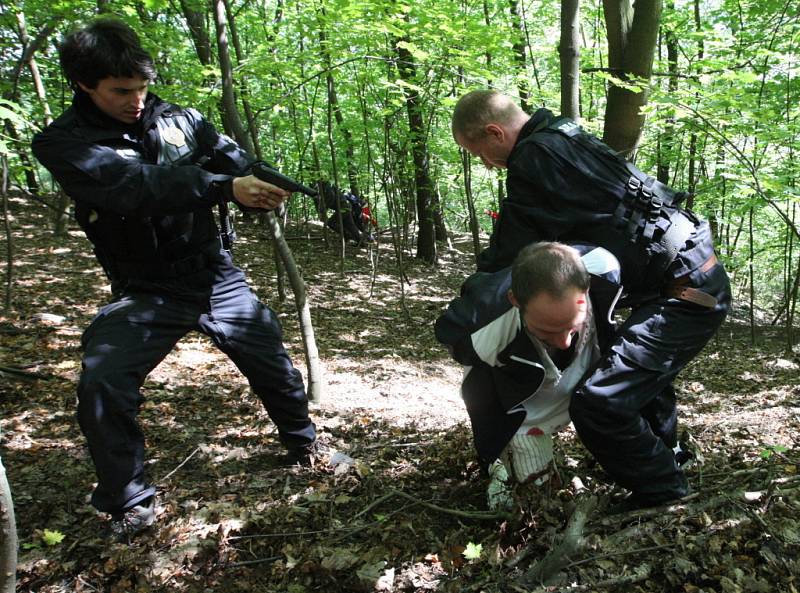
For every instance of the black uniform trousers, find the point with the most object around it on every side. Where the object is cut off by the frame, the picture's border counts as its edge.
(132, 334)
(625, 411)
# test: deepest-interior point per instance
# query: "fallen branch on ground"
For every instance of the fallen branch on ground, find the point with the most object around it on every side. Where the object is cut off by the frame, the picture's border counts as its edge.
(481, 515)
(182, 463)
(571, 542)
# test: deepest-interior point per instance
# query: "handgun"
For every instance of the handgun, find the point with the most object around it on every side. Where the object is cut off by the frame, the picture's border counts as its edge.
(270, 175)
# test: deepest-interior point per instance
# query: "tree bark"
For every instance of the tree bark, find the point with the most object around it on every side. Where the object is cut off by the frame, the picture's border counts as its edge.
(8, 541)
(228, 96)
(8, 528)
(197, 27)
(474, 227)
(333, 101)
(248, 112)
(426, 243)
(316, 385)
(569, 55)
(30, 49)
(314, 389)
(632, 34)
(60, 216)
(9, 237)
(518, 51)
(335, 188)
(667, 140)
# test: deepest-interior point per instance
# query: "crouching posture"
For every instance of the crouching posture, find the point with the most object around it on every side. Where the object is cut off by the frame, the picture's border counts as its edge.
(145, 176)
(527, 335)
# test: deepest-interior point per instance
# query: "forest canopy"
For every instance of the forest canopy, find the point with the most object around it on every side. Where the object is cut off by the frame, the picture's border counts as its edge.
(360, 93)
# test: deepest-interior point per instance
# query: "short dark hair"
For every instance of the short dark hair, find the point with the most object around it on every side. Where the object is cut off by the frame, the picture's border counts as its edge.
(549, 267)
(107, 47)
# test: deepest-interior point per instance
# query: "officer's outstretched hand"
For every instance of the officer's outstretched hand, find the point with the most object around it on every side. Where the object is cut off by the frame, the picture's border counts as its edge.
(251, 192)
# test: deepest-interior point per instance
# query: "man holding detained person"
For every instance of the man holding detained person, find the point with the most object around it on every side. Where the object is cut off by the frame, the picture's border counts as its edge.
(563, 184)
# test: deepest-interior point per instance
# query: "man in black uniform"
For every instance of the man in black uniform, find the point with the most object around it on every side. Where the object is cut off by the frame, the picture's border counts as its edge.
(565, 185)
(145, 176)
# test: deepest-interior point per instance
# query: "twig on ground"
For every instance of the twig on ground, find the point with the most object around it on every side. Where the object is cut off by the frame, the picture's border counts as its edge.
(620, 553)
(649, 513)
(740, 472)
(373, 504)
(184, 462)
(84, 583)
(389, 445)
(256, 561)
(630, 579)
(482, 515)
(284, 534)
(371, 524)
(20, 374)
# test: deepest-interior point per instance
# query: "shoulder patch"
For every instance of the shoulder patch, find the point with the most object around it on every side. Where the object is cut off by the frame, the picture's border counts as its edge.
(600, 261)
(568, 127)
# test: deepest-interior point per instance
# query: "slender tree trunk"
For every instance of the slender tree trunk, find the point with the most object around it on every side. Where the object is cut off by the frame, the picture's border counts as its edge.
(488, 55)
(751, 277)
(333, 102)
(34, 68)
(518, 51)
(196, 21)
(8, 536)
(632, 35)
(315, 380)
(335, 189)
(22, 153)
(426, 243)
(228, 95)
(569, 54)
(439, 228)
(693, 137)
(791, 308)
(9, 238)
(60, 216)
(392, 205)
(243, 90)
(692, 173)
(667, 139)
(474, 227)
(316, 386)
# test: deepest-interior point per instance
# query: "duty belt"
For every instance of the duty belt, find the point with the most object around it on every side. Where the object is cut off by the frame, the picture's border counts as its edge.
(160, 271)
(679, 289)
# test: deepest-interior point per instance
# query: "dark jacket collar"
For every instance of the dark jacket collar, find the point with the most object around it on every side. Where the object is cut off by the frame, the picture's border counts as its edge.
(92, 123)
(541, 118)
(89, 114)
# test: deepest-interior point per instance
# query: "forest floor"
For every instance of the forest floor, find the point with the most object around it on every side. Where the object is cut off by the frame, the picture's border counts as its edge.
(398, 504)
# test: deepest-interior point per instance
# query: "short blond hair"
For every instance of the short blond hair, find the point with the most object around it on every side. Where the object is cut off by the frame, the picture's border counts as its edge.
(478, 108)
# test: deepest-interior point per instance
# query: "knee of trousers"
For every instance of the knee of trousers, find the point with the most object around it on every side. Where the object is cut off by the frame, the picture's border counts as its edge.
(590, 411)
(102, 395)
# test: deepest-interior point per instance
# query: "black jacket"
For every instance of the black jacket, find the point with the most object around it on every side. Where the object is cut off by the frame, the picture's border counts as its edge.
(144, 192)
(562, 190)
(466, 325)
(482, 330)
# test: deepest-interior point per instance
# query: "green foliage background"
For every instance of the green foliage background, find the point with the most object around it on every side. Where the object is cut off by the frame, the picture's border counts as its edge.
(734, 88)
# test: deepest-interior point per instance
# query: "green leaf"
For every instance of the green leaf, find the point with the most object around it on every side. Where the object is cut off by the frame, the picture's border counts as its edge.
(473, 551)
(52, 538)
